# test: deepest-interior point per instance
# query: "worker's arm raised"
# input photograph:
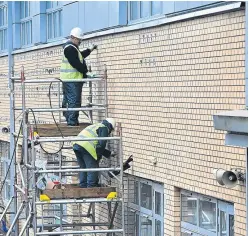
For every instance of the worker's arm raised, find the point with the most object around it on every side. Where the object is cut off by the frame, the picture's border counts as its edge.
(87, 52)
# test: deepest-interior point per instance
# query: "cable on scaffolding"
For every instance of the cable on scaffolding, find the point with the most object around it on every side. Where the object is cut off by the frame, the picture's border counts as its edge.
(50, 153)
(58, 127)
(13, 154)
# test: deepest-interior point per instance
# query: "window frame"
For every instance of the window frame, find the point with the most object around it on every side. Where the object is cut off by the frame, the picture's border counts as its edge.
(5, 162)
(52, 11)
(140, 211)
(142, 19)
(4, 27)
(196, 230)
(23, 21)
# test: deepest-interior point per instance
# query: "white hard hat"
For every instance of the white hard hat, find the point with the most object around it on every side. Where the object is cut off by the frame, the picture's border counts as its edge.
(77, 33)
(112, 122)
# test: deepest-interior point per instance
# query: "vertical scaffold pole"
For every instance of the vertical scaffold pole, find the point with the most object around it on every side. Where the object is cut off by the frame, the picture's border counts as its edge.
(12, 115)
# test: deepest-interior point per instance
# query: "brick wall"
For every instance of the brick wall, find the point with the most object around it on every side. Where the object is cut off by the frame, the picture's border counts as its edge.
(164, 85)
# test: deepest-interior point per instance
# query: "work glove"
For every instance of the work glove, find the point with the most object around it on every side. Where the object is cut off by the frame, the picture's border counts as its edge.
(113, 154)
(90, 75)
(126, 166)
(106, 153)
(93, 47)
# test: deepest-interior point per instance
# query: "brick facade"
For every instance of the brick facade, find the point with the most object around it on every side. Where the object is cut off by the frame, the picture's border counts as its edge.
(164, 85)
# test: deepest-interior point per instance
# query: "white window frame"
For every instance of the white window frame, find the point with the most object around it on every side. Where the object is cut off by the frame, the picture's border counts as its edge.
(52, 11)
(5, 159)
(25, 38)
(140, 211)
(3, 28)
(196, 230)
(140, 19)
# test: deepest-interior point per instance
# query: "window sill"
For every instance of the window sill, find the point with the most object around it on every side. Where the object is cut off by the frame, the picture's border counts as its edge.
(52, 40)
(3, 53)
(146, 19)
(40, 46)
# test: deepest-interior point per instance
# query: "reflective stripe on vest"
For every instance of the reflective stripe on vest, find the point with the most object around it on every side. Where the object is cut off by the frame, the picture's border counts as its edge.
(67, 71)
(90, 132)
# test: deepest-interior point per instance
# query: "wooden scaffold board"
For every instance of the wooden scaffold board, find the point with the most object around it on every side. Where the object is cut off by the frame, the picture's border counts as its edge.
(51, 130)
(71, 191)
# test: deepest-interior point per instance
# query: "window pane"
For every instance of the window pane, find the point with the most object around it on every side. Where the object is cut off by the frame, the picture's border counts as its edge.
(7, 191)
(5, 44)
(136, 196)
(158, 204)
(60, 23)
(56, 24)
(137, 226)
(223, 223)
(134, 11)
(5, 19)
(48, 5)
(55, 4)
(6, 169)
(145, 9)
(26, 32)
(146, 226)
(231, 225)
(1, 40)
(207, 214)
(50, 25)
(29, 32)
(156, 7)
(1, 16)
(25, 9)
(189, 209)
(133, 223)
(24, 35)
(146, 196)
(158, 228)
(22, 10)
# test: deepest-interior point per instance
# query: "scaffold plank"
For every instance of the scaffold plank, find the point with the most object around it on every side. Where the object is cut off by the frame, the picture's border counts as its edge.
(74, 192)
(51, 130)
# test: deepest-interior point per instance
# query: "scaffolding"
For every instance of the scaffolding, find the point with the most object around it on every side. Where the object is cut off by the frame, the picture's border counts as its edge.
(27, 196)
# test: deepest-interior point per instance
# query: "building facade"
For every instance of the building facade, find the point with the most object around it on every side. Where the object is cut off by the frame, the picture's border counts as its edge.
(170, 66)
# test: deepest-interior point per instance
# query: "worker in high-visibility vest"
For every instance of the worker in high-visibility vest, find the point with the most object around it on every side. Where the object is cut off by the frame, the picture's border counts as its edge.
(73, 66)
(89, 153)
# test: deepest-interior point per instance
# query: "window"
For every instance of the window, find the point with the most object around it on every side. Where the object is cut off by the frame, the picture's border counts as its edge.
(145, 207)
(144, 9)
(26, 24)
(205, 216)
(3, 26)
(5, 162)
(54, 20)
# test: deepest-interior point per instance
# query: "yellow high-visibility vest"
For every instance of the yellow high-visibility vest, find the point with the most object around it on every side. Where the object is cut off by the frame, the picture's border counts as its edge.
(89, 132)
(67, 71)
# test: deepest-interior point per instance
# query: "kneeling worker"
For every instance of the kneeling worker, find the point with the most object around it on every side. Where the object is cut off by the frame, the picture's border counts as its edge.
(88, 153)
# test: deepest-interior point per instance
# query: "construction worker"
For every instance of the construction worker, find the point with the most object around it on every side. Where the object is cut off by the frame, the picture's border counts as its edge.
(73, 66)
(89, 153)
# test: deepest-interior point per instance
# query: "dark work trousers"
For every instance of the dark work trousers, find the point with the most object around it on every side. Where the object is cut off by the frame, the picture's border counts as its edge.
(72, 99)
(85, 160)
